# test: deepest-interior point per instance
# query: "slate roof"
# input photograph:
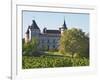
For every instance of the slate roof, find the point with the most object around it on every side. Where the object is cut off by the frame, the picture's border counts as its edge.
(49, 35)
(52, 31)
(27, 32)
(34, 25)
(64, 26)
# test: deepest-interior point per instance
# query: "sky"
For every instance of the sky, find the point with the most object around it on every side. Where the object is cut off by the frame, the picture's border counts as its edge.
(54, 20)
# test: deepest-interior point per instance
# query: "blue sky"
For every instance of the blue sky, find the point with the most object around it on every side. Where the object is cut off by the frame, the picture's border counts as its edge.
(54, 20)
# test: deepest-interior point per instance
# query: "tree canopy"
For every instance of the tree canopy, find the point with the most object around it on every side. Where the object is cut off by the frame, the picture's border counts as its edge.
(74, 41)
(30, 47)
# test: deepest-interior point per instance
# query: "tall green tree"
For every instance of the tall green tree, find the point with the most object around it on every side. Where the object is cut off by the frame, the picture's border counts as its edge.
(30, 47)
(74, 41)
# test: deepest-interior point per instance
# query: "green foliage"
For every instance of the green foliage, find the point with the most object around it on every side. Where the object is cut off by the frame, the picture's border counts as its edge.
(74, 41)
(34, 44)
(80, 61)
(52, 61)
(30, 47)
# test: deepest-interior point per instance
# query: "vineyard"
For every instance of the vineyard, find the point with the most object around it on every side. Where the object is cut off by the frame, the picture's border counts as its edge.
(73, 51)
(45, 61)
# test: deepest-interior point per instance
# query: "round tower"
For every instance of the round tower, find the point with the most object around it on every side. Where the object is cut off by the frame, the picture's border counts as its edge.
(27, 39)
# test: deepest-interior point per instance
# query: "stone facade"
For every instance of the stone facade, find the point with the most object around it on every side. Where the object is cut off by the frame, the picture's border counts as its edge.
(49, 39)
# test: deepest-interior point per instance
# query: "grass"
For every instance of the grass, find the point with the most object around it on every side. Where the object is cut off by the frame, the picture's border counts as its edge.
(53, 52)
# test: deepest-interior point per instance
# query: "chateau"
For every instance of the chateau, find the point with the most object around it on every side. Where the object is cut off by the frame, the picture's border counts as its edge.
(48, 39)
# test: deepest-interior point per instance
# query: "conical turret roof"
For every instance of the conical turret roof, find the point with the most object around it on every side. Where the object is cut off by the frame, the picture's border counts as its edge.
(34, 25)
(27, 32)
(64, 26)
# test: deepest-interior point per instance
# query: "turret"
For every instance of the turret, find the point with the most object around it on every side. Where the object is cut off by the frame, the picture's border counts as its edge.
(35, 31)
(64, 27)
(27, 39)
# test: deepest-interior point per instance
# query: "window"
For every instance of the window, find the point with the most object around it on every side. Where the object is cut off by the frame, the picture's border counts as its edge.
(48, 41)
(42, 41)
(54, 46)
(54, 41)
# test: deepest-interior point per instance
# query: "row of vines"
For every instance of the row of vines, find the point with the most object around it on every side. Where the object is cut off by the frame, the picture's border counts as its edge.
(52, 61)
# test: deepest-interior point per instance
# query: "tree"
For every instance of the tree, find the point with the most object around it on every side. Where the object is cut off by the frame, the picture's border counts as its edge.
(30, 47)
(34, 43)
(74, 41)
